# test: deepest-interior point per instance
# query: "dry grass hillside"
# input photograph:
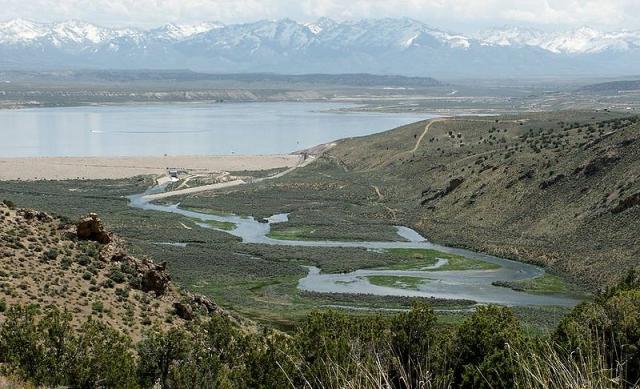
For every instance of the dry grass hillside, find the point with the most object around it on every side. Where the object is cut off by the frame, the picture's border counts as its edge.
(560, 189)
(87, 271)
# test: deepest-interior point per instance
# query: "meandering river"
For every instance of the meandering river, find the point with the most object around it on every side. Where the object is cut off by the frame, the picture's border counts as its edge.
(459, 284)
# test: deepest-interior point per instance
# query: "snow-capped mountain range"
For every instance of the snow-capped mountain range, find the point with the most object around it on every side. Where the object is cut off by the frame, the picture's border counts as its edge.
(584, 40)
(400, 46)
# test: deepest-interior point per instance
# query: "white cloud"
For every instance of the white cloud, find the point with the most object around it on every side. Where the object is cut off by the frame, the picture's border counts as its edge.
(462, 15)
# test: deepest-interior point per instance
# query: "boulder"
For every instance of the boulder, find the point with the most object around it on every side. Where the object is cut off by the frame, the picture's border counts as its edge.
(626, 203)
(551, 181)
(205, 303)
(154, 277)
(527, 175)
(32, 214)
(183, 310)
(116, 251)
(193, 304)
(453, 185)
(91, 228)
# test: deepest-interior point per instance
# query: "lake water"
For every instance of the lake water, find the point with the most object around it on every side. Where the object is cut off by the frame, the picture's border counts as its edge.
(184, 129)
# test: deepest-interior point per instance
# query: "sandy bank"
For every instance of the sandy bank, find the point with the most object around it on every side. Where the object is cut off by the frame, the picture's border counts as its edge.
(61, 168)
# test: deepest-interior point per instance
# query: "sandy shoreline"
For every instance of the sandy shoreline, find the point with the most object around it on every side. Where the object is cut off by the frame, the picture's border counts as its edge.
(62, 168)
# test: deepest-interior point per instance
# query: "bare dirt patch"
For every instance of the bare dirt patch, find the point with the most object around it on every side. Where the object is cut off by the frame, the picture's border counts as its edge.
(62, 168)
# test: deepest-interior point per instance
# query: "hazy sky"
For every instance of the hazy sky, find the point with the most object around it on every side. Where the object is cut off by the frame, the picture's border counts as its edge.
(458, 15)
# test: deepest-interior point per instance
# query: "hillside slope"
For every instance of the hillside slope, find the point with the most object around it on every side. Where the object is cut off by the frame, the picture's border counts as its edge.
(87, 271)
(612, 87)
(559, 189)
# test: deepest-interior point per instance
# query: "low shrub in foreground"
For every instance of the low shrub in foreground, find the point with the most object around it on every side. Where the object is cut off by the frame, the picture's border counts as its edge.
(596, 346)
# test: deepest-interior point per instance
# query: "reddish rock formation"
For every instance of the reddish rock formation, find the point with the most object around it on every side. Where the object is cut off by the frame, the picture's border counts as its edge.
(184, 311)
(90, 227)
(154, 278)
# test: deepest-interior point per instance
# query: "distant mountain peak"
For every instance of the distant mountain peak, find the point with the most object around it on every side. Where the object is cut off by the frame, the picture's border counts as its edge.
(17, 30)
(387, 45)
(582, 40)
(178, 31)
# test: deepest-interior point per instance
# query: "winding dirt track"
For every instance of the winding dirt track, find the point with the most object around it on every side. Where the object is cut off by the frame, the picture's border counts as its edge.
(439, 120)
(380, 196)
(424, 133)
(416, 146)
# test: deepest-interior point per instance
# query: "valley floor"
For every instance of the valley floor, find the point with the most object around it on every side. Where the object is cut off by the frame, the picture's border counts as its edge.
(445, 178)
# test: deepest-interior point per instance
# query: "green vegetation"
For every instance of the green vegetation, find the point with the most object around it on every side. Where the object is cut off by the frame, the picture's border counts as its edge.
(255, 281)
(10, 204)
(258, 173)
(97, 306)
(412, 259)
(226, 226)
(463, 263)
(596, 346)
(43, 348)
(348, 300)
(403, 282)
(308, 233)
(293, 233)
(424, 258)
(545, 284)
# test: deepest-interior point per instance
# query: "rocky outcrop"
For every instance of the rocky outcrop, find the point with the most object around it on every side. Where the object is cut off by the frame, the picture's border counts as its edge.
(551, 181)
(32, 214)
(595, 165)
(183, 311)
(154, 278)
(121, 282)
(204, 303)
(453, 185)
(115, 250)
(144, 274)
(626, 203)
(149, 276)
(91, 228)
(194, 304)
(438, 194)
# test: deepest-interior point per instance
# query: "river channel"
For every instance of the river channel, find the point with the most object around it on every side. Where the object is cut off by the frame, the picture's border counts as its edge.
(473, 285)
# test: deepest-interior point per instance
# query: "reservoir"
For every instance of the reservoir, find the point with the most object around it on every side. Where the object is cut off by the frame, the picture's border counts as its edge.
(185, 129)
